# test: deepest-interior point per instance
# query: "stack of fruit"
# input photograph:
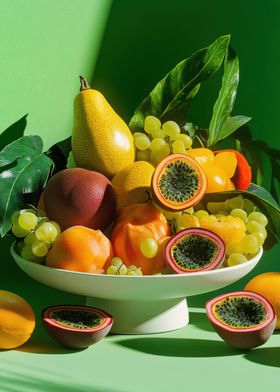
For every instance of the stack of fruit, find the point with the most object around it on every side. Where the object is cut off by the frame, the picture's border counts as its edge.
(123, 217)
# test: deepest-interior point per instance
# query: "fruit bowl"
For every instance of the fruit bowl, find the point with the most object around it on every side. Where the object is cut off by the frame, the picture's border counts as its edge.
(139, 304)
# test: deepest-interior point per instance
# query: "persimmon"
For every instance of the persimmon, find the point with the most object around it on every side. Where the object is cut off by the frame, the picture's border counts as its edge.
(81, 249)
(135, 224)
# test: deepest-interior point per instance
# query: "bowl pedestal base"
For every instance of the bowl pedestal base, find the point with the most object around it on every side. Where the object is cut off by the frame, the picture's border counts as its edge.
(137, 317)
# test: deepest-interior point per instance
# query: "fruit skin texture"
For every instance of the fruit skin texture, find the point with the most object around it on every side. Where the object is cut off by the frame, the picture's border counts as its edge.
(17, 320)
(136, 223)
(101, 140)
(80, 197)
(132, 184)
(268, 285)
(72, 337)
(81, 249)
(243, 175)
(243, 338)
(215, 262)
(162, 167)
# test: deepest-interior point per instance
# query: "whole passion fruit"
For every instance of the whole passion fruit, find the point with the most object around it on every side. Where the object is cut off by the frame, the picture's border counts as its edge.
(194, 250)
(178, 183)
(243, 319)
(76, 326)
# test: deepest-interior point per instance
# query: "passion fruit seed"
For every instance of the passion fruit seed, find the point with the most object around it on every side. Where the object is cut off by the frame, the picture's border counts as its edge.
(240, 312)
(179, 182)
(77, 318)
(194, 252)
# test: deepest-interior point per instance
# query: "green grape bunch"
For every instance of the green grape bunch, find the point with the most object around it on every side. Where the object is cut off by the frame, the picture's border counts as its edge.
(160, 140)
(35, 233)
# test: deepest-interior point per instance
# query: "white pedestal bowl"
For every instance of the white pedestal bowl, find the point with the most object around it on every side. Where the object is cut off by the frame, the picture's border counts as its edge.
(139, 304)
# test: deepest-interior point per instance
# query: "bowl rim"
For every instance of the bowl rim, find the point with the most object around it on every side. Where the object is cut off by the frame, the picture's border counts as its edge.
(248, 263)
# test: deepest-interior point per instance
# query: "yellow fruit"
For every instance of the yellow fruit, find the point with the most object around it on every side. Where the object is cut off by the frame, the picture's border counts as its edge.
(101, 140)
(132, 184)
(268, 285)
(203, 156)
(229, 228)
(17, 320)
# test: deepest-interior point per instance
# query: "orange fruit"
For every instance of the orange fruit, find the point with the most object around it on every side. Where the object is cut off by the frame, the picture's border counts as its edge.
(17, 320)
(268, 285)
(81, 249)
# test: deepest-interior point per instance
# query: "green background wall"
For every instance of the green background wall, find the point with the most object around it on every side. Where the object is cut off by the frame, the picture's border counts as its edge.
(46, 45)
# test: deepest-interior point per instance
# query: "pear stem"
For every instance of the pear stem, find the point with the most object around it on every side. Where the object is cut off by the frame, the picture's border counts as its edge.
(84, 84)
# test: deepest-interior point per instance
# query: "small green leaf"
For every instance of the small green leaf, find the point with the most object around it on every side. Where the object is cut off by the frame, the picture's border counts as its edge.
(222, 124)
(28, 173)
(171, 97)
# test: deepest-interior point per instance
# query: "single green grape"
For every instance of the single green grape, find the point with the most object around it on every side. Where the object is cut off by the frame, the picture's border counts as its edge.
(27, 220)
(216, 207)
(136, 134)
(122, 270)
(40, 248)
(170, 215)
(250, 244)
(238, 213)
(30, 238)
(186, 221)
(132, 270)
(220, 215)
(235, 202)
(151, 123)
(260, 237)
(249, 206)
(18, 231)
(253, 226)
(112, 270)
(178, 147)
(186, 139)
(236, 258)
(117, 261)
(201, 214)
(158, 155)
(46, 232)
(142, 143)
(233, 247)
(158, 134)
(58, 230)
(149, 248)
(27, 253)
(143, 156)
(156, 144)
(171, 129)
(258, 217)
(189, 210)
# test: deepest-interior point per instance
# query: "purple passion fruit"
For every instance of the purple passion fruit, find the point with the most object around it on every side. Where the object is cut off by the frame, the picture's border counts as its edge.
(178, 183)
(194, 250)
(76, 326)
(243, 319)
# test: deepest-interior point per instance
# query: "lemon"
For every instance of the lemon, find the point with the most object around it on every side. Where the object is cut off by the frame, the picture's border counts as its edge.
(132, 184)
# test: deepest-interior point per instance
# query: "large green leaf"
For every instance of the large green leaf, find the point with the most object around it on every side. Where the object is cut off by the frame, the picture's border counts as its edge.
(265, 202)
(171, 97)
(222, 124)
(27, 173)
(26, 145)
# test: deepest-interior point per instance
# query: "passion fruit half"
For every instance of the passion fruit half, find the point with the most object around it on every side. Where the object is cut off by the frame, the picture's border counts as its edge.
(76, 326)
(178, 182)
(243, 319)
(194, 250)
